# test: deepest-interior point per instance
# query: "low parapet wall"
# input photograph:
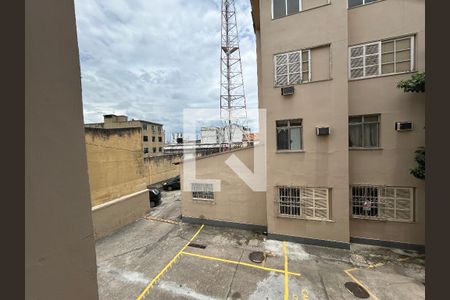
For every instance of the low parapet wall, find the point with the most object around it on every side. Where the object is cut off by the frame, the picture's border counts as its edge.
(117, 213)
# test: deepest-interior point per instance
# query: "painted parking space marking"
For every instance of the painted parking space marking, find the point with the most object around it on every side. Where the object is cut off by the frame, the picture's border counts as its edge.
(286, 275)
(238, 263)
(157, 277)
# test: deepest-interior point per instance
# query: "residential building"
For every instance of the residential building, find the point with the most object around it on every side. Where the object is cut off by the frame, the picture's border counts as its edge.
(152, 134)
(338, 165)
(216, 135)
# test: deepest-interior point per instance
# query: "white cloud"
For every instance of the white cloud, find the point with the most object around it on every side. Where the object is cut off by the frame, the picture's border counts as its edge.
(151, 59)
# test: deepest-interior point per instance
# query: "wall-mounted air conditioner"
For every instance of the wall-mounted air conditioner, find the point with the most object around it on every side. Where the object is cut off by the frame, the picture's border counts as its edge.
(288, 90)
(403, 126)
(323, 130)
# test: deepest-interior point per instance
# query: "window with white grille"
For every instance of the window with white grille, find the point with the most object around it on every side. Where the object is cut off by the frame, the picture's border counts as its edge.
(382, 57)
(202, 191)
(303, 202)
(383, 203)
(353, 3)
(292, 67)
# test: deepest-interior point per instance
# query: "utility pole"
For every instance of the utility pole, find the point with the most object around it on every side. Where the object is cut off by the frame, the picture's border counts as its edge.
(233, 106)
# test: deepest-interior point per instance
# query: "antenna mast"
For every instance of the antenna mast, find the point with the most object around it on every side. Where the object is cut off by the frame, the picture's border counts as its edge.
(233, 106)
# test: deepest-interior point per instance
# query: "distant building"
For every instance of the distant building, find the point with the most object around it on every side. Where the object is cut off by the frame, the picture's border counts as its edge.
(218, 135)
(152, 134)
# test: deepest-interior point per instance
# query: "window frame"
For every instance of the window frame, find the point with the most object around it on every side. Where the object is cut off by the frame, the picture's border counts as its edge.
(145, 138)
(302, 204)
(208, 191)
(275, 65)
(381, 203)
(300, 9)
(362, 131)
(289, 127)
(412, 38)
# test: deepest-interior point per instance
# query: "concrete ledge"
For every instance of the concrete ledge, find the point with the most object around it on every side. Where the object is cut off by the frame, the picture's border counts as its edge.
(112, 215)
(389, 244)
(217, 223)
(309, 241)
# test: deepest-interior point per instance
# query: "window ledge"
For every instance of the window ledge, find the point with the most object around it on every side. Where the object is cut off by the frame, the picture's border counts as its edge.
(303, 83)
(290, 151)
(210, 202)
(382, 220)
(304, 10)
(382, 75)
(365, 149)
(305, 219)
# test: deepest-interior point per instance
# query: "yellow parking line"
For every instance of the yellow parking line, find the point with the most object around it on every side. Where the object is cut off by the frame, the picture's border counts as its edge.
(286, 276)
(359, 282)
(149, 286)
(238, 263)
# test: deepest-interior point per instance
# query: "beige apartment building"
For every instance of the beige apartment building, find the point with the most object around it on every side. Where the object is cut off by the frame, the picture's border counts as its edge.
(340, 135)
(152, 133)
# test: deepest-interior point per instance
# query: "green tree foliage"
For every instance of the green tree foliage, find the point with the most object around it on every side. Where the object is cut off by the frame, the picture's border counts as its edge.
(419, 170)
(415, 84)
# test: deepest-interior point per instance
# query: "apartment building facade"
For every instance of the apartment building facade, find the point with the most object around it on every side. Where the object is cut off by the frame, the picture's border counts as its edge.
(153, 137)
(338, 162)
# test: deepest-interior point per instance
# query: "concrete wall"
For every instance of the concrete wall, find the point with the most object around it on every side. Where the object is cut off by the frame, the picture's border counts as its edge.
(115, 163)
(389, 165)
(117, 213)
(160, 168)
(236, 202)
(60, 261)
(324, 161)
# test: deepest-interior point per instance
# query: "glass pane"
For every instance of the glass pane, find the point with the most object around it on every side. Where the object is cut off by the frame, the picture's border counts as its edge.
(371, 60)
(387, 46)
(356, 62)
(279, 8)
(294, 78)
(294, 68)
(403, 66)
(282, 139)
(282, 80)
(386, 69)
(282, 70)
(370, 118)
(403, 55)
(293, 6)
(305, 76)
(372, 49)
(305, 55)
(355, 136)
(389, 57)
(352, 3)
(356, 51)
(282, 123)
(296, 138)
(305, 66)
(294, 57)
(371, 135)
(281, 59)
(372, 70)
(403, 44)
(355, 119)
(356, 73)
(296, 122)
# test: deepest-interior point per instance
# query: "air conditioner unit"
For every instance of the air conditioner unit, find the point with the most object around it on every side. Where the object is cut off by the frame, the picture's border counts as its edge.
(286, 91)
(323, 130)
(403, 126)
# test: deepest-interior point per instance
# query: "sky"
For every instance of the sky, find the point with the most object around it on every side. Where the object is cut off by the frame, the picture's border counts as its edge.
(150, 59)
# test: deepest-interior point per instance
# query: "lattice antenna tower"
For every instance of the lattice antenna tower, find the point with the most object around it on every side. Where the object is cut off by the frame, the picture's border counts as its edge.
(233, 105)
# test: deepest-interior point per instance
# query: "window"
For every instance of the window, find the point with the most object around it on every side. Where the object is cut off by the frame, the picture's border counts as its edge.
(153, 139)
(363, 131)
(153, 129)
(383, 203)
(159, 129)
(160, 139)
(202, 191)
(160, 149)
(303, 202)
(145, 150)
(145, 138)
(383, 57)
(353, 3)
(281, 8)
(154, 149)
(289, 135)
(144, 126)
(292, 67)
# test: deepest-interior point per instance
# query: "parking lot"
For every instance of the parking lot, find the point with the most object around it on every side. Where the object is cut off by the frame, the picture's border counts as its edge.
(158, 257)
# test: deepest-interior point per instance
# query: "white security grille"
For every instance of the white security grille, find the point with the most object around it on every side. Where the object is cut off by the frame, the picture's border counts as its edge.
(202, 191)
(381, 57)
(303, 202)
(383, 203)
(292, 67)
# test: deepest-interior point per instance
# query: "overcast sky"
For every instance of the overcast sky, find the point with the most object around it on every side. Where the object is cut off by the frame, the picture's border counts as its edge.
(149, 59)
